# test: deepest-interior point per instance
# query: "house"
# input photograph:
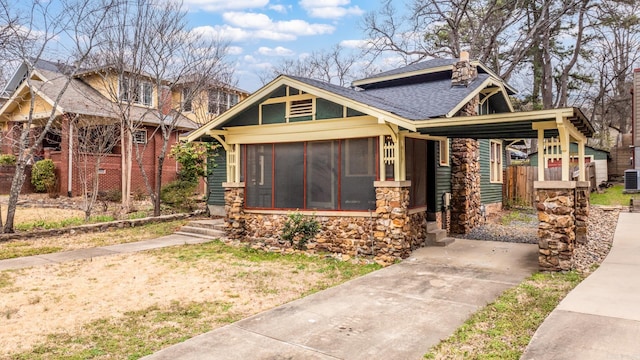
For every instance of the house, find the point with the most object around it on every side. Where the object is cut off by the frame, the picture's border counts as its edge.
(385, 166)
(593, 155)
(207, 102)
(94, 96)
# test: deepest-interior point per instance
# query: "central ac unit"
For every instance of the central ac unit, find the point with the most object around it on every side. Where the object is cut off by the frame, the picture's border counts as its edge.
(632, 180)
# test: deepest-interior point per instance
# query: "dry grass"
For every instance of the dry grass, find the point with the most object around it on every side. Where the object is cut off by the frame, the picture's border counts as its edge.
(127, 306)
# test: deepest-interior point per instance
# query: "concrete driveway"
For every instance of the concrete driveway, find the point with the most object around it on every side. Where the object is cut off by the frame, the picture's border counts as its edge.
(395, 313)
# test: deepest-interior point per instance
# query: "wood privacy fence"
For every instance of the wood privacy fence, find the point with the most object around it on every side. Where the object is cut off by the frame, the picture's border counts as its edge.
(517, 188)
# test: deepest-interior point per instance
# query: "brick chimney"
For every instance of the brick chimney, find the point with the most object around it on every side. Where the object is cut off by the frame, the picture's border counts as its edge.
(463, 72)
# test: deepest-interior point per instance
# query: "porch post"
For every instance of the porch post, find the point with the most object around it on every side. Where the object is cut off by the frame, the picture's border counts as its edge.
(541, 157)
(234, 217)
(581, 167)
(565, 145)
(556, 205)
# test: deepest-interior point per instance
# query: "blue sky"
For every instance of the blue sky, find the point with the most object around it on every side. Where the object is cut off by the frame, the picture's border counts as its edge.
(261, 32)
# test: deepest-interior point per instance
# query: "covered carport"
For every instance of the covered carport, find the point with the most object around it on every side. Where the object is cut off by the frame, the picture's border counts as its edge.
(563, 206)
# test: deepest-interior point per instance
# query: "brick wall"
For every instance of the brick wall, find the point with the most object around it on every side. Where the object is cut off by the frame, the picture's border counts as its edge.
(111, 166)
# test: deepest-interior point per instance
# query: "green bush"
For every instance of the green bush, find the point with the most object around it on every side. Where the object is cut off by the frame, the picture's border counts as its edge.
(299, 229)
(43, 175)
(179, 194)
(7, 159)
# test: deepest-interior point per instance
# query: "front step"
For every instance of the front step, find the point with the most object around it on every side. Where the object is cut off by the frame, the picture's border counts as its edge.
(436, 236)
(209, 229)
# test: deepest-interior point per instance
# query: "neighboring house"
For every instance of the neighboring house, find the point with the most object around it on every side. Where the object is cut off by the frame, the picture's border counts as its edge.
(92, 96)
(205, 105)
(592, 155)
(378, 164)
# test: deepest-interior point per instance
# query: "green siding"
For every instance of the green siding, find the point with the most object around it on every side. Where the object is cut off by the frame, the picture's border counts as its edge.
(248, 116)
(351, 112)
(489, 192)
(443, 179)
(274, 113)
(216, 177)
(327, 110)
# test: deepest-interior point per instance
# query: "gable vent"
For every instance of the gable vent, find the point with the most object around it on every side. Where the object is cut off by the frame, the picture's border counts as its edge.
(299, 108)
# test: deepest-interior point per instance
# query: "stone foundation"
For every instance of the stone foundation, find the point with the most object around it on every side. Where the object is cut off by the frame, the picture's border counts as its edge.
(388, 234)
(465, 185)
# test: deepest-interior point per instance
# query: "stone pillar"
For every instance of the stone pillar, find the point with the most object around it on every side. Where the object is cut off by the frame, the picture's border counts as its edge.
(557, 227)
(393, 226)
(582, 211)
(234, 218)
(465, 185)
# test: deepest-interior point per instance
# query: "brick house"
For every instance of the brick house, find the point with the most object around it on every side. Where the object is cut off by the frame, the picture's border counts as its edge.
(92, 98)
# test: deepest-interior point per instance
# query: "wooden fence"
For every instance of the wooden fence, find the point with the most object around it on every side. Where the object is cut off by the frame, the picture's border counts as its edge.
(517, 188)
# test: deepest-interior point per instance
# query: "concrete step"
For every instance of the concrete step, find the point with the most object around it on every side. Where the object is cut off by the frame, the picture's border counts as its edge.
(196, 230)
(438, 238)
(217, 224)
(432, 226)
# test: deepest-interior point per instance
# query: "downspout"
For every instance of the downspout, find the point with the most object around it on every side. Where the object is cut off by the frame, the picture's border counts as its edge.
(633, 122)
(70, 162)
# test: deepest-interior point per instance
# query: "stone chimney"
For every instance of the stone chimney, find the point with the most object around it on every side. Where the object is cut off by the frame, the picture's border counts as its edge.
(463, 72)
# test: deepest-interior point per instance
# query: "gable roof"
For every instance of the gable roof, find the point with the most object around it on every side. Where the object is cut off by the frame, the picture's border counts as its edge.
(80, 98)
(423, 69)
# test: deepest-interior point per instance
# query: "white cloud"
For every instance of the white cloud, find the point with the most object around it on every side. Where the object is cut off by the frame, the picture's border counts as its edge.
(277, 51)
(221, 5)
(235, 50)
(355, 44)
(279, 8)
(262, 27)
(224, 32)
(330, 9)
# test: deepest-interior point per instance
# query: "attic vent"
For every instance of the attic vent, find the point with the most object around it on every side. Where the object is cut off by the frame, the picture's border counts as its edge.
(299, 108)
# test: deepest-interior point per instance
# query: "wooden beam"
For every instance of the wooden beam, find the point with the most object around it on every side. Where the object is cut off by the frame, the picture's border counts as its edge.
(541, 157)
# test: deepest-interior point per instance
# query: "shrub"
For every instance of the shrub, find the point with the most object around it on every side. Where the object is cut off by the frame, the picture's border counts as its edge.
(112, 195)
(179, 194)
(299, 229)
(43, 175)
(7, 159)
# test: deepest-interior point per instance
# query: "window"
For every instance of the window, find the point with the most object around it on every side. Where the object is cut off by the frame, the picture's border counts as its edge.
(220, 101)
(187, 104)
(495, 174)
(311, 175)
(140, 137)
(136, 91)
(444, 152)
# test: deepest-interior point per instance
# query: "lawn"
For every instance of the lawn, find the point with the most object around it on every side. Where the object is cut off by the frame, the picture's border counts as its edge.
(128, 306)
(613, 196)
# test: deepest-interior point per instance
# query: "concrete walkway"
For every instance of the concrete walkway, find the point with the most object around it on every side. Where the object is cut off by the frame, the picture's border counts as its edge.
(395, 313)
(59, 257)
(600, 318)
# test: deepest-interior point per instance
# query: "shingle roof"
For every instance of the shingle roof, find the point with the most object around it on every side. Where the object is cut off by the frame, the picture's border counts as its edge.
(80, 98)
(412, 101)
(433, 63)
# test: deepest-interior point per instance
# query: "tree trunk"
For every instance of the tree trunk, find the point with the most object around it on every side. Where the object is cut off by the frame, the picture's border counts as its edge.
(16, 186)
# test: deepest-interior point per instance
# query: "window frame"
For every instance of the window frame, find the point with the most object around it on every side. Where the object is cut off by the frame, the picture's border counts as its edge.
(134, 91)
(187, 102)
(495, 161)
(444, 156)
(136, 140)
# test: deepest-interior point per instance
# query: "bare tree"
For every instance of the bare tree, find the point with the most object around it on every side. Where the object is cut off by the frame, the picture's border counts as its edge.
(95, 140)
(74, 22)
(501, 34)
(149, 43)
(336, 65)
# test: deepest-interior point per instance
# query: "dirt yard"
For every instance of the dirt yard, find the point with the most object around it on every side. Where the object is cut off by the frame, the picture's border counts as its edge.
(55, 311)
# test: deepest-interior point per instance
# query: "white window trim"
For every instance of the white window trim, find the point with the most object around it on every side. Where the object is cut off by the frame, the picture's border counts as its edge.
(495, 163)
(139, 92)
(137, 140)
(445, 158)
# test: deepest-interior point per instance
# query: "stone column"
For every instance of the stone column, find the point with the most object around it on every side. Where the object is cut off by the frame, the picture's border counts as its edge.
(557, 227)
(392, 228)
(465, 185)
(234, 217)
(583, 194)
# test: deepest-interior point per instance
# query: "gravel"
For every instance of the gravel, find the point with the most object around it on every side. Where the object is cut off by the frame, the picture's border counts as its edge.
(586, 258)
